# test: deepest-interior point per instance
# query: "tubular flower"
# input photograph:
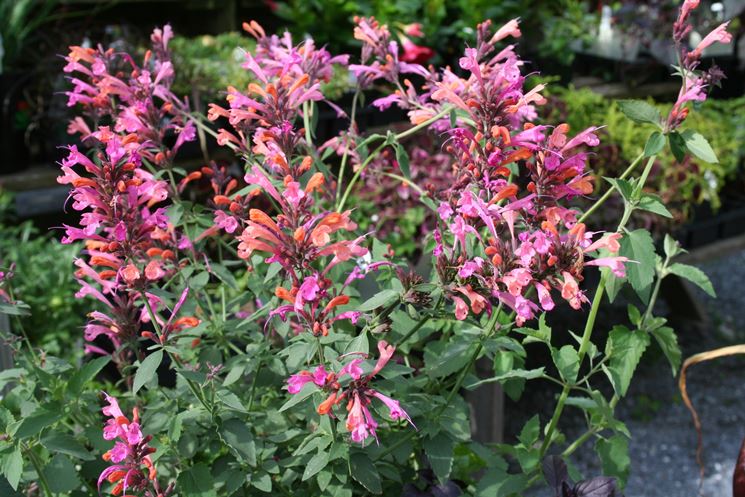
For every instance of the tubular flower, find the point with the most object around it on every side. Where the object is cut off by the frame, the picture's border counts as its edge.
(695, 84)
(131, 468)
(352, 385)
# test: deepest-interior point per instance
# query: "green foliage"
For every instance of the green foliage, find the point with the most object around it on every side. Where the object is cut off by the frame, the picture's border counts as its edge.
(44, 281)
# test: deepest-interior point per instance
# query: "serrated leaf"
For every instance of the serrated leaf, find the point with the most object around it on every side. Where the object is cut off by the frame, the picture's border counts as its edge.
(316, 464)
(439, 450)
(530, 432)
(238, 437)
(694, 275)
(655, 144)
(365, 472)
(566, 360)
(638, 246)
(640, 111)
(625, 349)
(147, 369)
(653, 203)
(672, 247)
(668, 342)
(380, 299)
(33, 424)
(614, 455)
(12, 467)
(526, 374)
(699, 146)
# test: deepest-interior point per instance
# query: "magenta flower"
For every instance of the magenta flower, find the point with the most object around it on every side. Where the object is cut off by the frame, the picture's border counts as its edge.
(132, 469)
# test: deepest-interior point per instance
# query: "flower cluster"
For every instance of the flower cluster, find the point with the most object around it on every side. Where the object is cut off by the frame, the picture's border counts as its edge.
(356, 391)
(109, 85)
(695, 83)
(506, 246)
(130, 243)
(298, 237)
(131, 467)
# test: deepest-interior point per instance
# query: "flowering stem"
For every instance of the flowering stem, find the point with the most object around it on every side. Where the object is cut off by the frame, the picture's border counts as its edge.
(253, 386)
(340, 176)
(609, 192)
(306, 124)
(590, 324)
(380, 147)
(408, 183)
(584, 345)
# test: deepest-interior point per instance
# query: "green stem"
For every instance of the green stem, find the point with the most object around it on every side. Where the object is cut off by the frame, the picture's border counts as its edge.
(37, 467)
(340, 176)
(578, 443)
(413, 330)
(609, 192)
(253, 386)
(306, 124)
(407, 182)
(380, 147)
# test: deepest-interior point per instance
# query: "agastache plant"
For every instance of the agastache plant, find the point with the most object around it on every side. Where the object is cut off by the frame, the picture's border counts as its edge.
(242, 298)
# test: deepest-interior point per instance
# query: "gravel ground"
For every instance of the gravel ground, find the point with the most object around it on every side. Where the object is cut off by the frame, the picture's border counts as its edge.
(663, 447)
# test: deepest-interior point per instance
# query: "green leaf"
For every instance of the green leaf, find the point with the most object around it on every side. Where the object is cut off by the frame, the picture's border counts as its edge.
(668, 342)
(634, 315)
(263, 482)
(614, 455)
(624, 187)
(365, 472)
(196, 481)
(625, 349)
(439, 450)
(653, 203)
(238, 437)
(147, 369)
(526, 374)
(86, 374)
(694, 275)
(640, 111)
(655, 144)
(497, 483)
(638, 246)
(199, 281)
(61, 475)
(56, 441)
(360, 343)
(316, 464)
(677, 146)
(567, 362)
(380, 299)
(305, 392)
(402, 157)
(442, 359)
(672, 247)
(17, 308)
(33, 424)
(12, 467)
(530, 432)
(699, 146)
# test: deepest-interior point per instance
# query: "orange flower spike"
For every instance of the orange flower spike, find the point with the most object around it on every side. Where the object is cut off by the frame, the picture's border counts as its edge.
(259, 216)
(299, 83)
(508, 191)
(520, 154)
(315, 182)
(325, 406)
(258, 90)
(336, 301)
(284, 294)
(549, 226)
(299, 234)
(305, 165)
(221, 200)
(231, 186)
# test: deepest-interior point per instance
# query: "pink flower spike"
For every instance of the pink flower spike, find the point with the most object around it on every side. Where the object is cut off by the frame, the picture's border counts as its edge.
(719, 34)
(609, 242)
(394, 407)
(386, 352)
(352, 369)
(616, 264)
(512, 28)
